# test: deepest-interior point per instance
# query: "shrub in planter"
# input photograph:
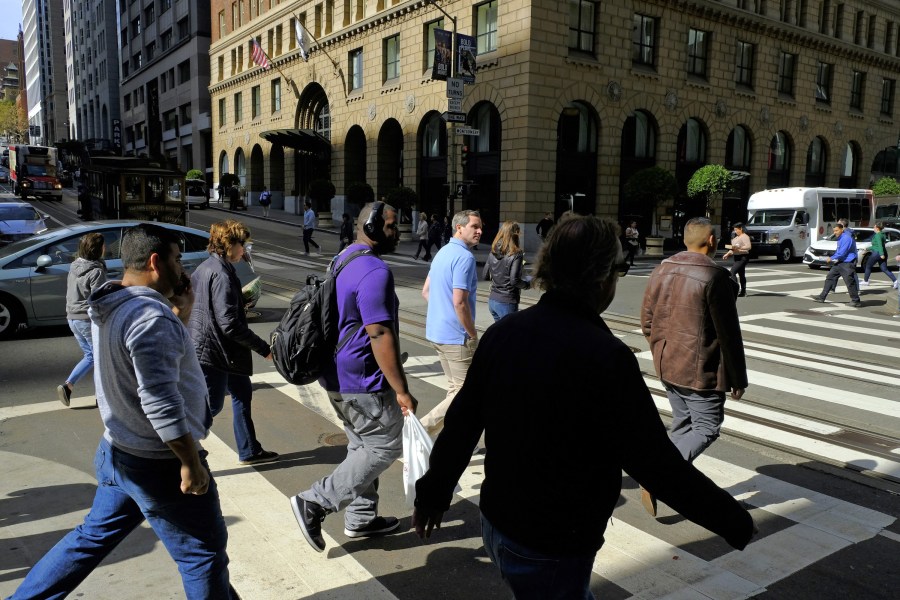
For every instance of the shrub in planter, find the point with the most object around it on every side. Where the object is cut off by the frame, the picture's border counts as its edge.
(359, 194)
(886, 186)
(320, 193)
(403, 199)
(194, 174)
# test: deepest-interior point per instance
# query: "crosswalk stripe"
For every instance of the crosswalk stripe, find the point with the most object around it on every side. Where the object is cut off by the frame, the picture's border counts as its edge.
(818, 364)
(824, 341)
(867, 331)
(765, 283)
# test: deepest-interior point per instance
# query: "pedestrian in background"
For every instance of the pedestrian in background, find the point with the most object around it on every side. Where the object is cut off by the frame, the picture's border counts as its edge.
(435, 236)
(422, 235)
(86, 273)
(449, 230)
(366, 385)
(346, 233)
(265, 199)
(309, 227)
(84, 201)
(234, 198)
(843, 265)
(223, 339)
(740, 250)
(878, 256)
(450, 289)
(540, 432)
(690, 320)
(503, 268)
(632, 243)
(543, 226)
(149, 463)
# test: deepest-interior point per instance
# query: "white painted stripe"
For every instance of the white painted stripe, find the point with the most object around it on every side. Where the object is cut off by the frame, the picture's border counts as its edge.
(883, 323)
(824, 367)
(890, 535)
(293, 261)
(838, 329)
(823, 341)
(765, 283)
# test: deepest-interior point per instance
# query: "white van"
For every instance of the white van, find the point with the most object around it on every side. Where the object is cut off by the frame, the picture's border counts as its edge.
(784, 222)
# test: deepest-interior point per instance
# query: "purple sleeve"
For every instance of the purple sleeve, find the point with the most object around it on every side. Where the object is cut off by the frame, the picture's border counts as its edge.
(375, 297)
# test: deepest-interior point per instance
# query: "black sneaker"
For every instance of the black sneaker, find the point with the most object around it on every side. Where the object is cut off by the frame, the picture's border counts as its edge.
(309, 516)
(817, 298)
(261, 457)
(64, 394)
(856, 304)
(378, 526)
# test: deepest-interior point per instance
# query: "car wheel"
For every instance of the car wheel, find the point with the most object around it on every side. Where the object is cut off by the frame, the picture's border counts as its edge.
(785, 253)
(10, 316)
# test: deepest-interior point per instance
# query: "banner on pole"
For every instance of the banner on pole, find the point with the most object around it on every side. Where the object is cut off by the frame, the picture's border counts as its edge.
(443, 41)
(466, 52)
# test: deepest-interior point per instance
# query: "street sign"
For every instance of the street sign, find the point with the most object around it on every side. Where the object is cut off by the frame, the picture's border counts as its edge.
(467, 131)
(454, 104)
(455, 87)
(454, 117)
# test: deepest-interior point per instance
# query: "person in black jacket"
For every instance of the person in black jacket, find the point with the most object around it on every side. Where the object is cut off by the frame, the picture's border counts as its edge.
(346, 233)
(590, 406)
(224, 342)
(504, 268)
(435, 236)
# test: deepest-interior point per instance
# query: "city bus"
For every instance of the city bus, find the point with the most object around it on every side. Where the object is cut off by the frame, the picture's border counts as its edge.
(33, 172)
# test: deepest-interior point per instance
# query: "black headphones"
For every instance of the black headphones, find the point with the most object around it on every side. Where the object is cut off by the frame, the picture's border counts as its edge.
(374, 225)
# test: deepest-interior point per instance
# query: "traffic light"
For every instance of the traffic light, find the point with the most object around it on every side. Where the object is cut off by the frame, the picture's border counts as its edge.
(465, 157)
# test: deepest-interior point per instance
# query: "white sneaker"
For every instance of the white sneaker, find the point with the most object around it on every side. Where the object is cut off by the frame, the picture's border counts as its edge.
(863, 283)
(896, 283)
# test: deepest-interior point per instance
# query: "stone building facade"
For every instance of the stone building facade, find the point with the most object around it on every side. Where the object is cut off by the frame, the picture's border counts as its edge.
(571, 99)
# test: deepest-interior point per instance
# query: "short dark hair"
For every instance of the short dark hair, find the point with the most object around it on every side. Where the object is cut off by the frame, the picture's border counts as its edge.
(141, 241)
(738, 225)
(90, 246)
(579, 255)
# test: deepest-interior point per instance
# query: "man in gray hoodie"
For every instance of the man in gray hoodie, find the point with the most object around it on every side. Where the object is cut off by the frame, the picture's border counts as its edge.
(153, 403)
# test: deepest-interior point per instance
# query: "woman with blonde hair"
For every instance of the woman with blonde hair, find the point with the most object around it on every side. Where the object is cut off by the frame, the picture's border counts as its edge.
(223, 339)
(86, 274)
(504, 268)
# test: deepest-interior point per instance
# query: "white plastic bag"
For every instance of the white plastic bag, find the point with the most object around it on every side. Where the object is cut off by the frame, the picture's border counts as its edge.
(416, 451)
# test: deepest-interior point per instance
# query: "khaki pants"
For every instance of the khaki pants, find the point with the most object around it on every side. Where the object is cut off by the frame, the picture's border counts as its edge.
(455, 360)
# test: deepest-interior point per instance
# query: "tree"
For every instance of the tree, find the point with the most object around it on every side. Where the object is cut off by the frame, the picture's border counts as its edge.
(647, 188)
(194, 174)
(886, 186)
(228, 179)
(403, 199)
(320, 193)
(710, 181)
(12, 123)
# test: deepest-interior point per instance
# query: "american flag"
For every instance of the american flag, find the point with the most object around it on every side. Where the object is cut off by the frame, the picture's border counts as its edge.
(259, 57)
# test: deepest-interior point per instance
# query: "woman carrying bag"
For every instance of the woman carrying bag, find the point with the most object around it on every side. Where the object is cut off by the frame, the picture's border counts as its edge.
(504, 269)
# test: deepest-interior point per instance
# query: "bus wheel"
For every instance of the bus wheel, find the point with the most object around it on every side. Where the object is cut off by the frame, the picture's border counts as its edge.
(785, 253)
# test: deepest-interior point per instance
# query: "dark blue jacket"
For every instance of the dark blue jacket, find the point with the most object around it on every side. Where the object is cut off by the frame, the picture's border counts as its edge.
(218, 322)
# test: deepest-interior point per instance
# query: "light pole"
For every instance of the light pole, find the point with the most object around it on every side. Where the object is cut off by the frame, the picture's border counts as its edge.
(451, 146)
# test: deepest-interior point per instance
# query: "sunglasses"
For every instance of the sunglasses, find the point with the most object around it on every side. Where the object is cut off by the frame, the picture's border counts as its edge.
(622, 269)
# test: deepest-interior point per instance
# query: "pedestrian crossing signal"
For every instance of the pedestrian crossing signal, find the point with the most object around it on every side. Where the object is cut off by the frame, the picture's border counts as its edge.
(465, 157)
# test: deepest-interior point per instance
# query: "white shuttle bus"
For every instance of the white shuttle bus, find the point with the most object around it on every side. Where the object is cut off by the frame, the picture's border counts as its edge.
(784, 222)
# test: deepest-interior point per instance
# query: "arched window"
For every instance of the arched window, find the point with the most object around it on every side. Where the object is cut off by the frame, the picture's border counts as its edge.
(240, 166)
(850, 166)
(816, 160)
(692, 142)
(323, 121)
(435, 131)
(779, 163)
(737, 150)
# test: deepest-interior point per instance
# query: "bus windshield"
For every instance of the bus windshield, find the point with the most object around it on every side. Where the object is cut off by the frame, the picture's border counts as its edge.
(772, 217)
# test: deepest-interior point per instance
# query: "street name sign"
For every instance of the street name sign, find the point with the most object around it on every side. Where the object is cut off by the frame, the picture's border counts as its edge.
(467, 131)
(455, 87)
(454, 117)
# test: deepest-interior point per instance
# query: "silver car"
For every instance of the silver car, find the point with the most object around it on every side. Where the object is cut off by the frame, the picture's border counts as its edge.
(19, 221)
(816, 255)
(34, 271)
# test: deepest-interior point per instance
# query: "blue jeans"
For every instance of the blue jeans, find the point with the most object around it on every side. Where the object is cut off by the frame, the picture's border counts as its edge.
(82, 330)
(130, 490)
(501, 309)
(533, 575)
(218, 383)
(373, 423)
(882, 264)
(696, 419)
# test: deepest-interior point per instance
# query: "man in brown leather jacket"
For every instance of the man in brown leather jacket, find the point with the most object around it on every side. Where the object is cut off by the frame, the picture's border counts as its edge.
(690, 319)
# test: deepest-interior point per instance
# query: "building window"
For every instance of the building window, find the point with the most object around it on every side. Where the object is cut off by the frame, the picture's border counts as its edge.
(276, 95)
(859, 26)
(887, 97)
(786, 74)
(823, 83)
(127, 102)
(428, 59)
(169, 121)
(151, 51)
(824, 16)
(644, 41)
(136, 61)
(391, 53)
(240, 58)
(238, 109)
(356, 69)
(166, 39)
(184, 72)
(255, 102)
(870, 36)
(744, 65)
(136, 27)
(698, 49)
(184, 28)
(184, 114)
(582, 25)
(124, 37)
(235, 16)
(149, 15)
(486, 26)
(221, 112)
(223, 27)
(221, 67)
(839, 21)
(165, 5)
(234, 61)
(278, 39)
(857, 85)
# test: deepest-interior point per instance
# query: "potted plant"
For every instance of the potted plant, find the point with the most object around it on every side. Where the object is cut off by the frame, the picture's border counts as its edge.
(886, 186)
(320, 193)
(359, 194)
(711, 182)
(403, 199)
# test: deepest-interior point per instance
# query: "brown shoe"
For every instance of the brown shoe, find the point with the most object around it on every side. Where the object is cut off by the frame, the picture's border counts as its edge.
(648, 502)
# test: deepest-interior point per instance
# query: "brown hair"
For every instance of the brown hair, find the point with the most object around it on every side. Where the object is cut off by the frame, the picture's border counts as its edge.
(90, 246)
(507, 240)
(223, 235)
(579, 255)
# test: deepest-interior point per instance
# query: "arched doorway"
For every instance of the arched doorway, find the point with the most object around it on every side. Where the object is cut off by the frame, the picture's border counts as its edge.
(313, 113)
(816, 160)
(691, 155)
(257, 173)
(276, 175)
(850, 166)
(390, 157)
(432, 176)
(482, 168)
(637, 152)
(354, 157)
(779, 162)
(576, 159)
(240, 166)
(738, 159)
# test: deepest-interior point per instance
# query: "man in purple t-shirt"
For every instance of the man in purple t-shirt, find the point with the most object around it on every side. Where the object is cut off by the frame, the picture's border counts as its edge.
(367, 388)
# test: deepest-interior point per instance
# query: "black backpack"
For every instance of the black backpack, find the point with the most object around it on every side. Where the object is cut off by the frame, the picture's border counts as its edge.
(307, 335)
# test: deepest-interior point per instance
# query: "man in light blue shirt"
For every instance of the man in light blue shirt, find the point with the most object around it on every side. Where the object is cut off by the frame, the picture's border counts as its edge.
(843, 265)
(309, 226)
(450, 290)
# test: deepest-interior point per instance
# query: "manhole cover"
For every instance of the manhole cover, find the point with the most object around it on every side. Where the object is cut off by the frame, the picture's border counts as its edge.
(334, 439)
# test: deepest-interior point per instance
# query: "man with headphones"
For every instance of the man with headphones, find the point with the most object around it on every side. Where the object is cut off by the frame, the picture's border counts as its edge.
(367, 386)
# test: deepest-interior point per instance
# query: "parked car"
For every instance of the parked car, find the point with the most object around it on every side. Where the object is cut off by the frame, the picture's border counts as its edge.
(820, 250)
(18, 221)
(197, 193)
(4, 176)
(33, 272)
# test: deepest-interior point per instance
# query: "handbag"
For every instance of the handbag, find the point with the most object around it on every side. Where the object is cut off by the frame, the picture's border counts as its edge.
(417, 446)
